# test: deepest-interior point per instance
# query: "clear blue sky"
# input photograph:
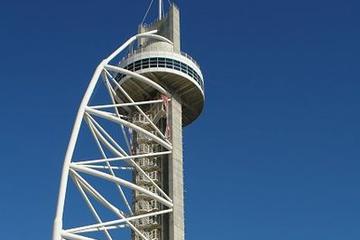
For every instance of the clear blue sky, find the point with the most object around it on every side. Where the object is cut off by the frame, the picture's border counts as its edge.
(275, 154)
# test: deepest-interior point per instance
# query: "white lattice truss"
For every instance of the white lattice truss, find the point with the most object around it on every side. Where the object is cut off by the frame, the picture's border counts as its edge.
(105, 168)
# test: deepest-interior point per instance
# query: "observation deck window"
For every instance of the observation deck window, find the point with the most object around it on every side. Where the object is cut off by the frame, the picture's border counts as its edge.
(164, 63)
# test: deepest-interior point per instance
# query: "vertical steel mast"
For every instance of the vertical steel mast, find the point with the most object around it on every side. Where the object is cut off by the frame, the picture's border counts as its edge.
(160, 9)
(149, 96)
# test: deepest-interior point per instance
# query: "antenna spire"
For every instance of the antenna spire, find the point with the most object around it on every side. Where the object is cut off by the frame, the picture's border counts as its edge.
(160, 9)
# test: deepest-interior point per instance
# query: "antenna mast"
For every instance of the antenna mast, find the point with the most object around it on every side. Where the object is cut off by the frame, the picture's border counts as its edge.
(160, 9)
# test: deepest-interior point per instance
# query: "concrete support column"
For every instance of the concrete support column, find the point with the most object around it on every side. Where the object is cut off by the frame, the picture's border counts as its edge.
(176, 176)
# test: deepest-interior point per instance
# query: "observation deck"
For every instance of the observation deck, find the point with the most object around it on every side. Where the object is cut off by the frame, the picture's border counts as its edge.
(175, 71)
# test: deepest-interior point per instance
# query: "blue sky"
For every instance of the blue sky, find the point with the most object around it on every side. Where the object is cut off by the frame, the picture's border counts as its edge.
(275, 153)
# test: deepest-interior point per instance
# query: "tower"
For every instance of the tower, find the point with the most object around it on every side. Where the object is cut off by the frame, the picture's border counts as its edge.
(176, 71)
(154, 91)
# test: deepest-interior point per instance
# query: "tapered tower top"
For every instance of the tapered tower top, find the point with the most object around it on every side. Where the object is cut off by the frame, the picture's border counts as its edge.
(167, 25)
(167, 65)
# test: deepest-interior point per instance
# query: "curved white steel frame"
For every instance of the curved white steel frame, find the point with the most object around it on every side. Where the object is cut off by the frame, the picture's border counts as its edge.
(73, 167)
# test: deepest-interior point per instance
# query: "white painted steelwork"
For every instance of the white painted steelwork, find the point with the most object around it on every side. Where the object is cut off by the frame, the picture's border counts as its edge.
(104, 168)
